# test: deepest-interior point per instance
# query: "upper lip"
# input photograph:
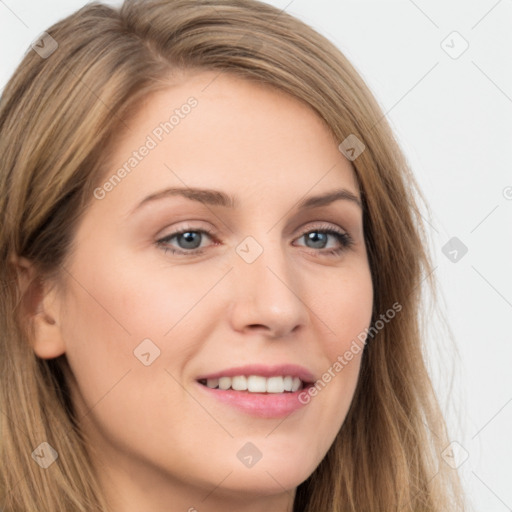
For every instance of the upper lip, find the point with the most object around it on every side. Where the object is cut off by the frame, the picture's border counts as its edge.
(283, 370)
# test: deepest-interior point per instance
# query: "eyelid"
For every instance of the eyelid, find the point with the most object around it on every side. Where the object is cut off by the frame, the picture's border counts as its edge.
(186, 225)
(320, 226)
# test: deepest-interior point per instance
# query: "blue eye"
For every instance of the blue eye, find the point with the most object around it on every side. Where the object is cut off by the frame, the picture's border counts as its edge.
(319, 239)
(189, 241)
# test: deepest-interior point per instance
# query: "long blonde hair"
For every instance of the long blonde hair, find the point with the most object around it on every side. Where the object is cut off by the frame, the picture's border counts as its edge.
(59, 115)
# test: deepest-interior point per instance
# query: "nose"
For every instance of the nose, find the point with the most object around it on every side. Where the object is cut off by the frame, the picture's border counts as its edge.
(266, 296)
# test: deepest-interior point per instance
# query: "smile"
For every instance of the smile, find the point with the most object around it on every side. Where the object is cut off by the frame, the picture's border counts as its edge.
(255, 383)
(258, 390)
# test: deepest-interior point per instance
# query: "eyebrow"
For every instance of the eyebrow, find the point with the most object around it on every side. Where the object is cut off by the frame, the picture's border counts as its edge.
(218, 198)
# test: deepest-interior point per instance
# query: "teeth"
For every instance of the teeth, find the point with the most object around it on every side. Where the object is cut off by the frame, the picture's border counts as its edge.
(212, 383)
(239, 383)
(275, 385)
(256, 383)
(224, 382)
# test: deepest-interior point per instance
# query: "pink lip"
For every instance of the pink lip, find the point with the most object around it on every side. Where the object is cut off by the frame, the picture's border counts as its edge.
(263, 405)
(264, 371)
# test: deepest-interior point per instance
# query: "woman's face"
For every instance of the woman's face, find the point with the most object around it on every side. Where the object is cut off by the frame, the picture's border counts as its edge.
(263, 282)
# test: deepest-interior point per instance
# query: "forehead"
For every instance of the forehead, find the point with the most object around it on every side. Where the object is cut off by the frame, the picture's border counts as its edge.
(218, 130)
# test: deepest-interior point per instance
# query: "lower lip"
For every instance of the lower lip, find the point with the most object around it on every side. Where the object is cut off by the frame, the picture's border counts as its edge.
(262, 405)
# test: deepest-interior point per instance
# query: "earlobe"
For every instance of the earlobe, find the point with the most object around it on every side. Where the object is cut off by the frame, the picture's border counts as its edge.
(47, 339)
(40, 310)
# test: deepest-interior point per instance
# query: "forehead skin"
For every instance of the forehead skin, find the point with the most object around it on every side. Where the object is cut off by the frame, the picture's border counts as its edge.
(220, 140)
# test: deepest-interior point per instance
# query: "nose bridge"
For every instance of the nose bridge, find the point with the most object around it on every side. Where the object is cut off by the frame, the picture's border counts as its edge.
(267, 287)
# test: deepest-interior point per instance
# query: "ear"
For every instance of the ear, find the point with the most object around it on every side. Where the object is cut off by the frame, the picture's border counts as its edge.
(40, 310)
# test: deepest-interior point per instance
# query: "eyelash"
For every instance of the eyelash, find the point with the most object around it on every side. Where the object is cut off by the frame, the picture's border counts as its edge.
(342, 237)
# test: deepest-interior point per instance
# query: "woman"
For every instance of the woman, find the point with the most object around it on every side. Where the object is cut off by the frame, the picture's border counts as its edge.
(211, 269)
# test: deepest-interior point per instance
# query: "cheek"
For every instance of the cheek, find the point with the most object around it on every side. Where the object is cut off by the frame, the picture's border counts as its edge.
(144, 297)
(115, 393)
(345, 311)
(98, 341)
(117, 311)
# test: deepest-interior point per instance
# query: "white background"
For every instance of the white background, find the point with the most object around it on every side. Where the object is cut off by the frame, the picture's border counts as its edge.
(453, 118)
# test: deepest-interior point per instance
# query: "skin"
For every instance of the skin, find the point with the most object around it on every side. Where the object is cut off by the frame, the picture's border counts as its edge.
(159, 443)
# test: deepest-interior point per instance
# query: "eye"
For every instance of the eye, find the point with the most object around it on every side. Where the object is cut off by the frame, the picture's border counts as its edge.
(188, 241)
(320, 237)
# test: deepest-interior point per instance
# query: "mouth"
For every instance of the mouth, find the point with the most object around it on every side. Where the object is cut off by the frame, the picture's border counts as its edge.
(257, 383)
(260, 391)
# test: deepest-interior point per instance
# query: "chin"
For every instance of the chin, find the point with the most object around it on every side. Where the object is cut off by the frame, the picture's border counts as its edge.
(271, 474)
(266, 481)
